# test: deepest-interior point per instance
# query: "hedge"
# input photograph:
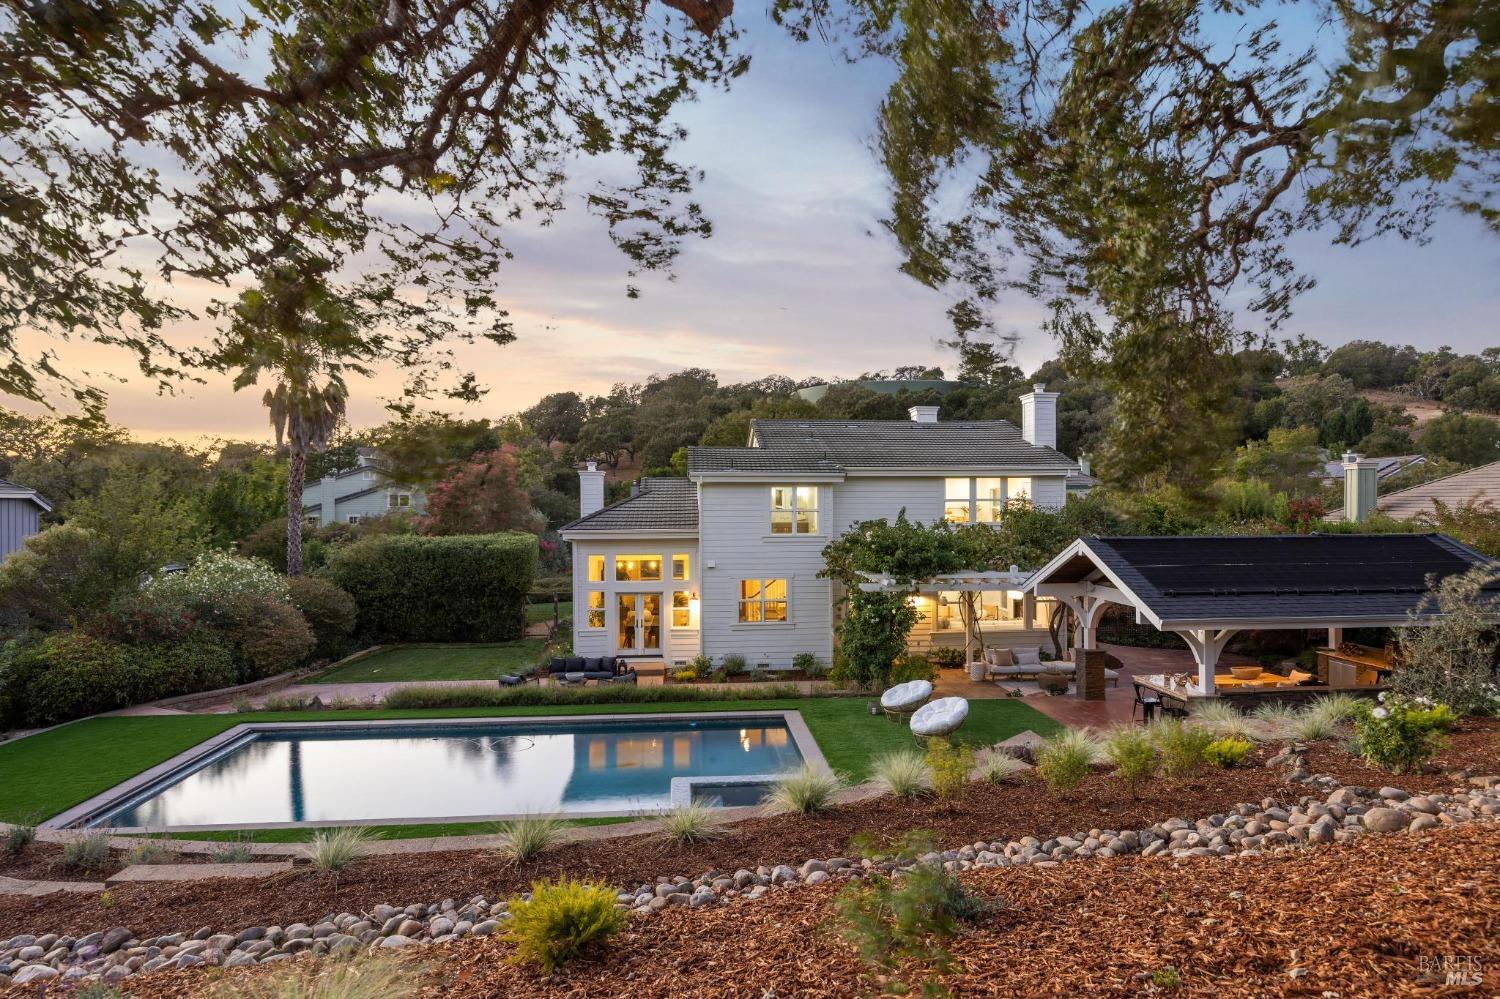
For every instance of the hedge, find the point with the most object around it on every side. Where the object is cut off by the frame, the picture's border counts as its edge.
(329, 611)
(461, 588)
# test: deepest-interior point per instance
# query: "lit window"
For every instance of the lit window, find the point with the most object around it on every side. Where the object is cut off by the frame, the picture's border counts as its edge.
(981, 501)
(637, 568)
(679, 567)
(794, 509)
(596, 568)
(682, 609)
(596, 608)
(762, 601)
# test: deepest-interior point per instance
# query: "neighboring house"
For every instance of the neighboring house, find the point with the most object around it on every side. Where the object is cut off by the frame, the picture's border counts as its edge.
(727, 559)
(1477, 485)
(1332, 469)
(360, 493)
(21, 512)
(889, 386)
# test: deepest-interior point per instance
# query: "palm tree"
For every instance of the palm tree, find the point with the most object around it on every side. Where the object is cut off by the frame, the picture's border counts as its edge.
(297, 330)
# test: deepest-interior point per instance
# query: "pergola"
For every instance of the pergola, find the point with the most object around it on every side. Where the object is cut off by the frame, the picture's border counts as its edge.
(1207, 589)
(966, 584)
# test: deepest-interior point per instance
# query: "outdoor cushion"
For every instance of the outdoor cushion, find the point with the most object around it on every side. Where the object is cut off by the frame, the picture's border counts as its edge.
(940, 717)
(595, 664)
(1028, 656)
(999, 657)
(511, 681)
(905, 696)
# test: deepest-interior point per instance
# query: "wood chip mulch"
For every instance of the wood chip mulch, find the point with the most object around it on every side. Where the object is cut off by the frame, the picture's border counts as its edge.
(1371, 918)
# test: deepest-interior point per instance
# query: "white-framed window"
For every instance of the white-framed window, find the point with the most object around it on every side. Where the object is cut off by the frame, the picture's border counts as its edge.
(310, 519)
(680, 567)
(637, 568)
(682, 609)
(794, 509)
(763, 601)
(596, 608)
(354, 518)
(398, 501)
(981, 500)
(596, 568)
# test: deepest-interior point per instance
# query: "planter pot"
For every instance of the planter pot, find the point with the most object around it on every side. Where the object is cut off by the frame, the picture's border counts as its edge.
(977, 672)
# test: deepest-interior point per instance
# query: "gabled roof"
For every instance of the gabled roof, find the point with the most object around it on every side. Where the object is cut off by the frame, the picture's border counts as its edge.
(16, 491)
(840, 445)
(661, 506)
(1277, 581)
(1475, 485)
(1388, 466)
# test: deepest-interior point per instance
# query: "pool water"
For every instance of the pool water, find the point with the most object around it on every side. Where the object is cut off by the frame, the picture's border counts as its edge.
(365, 773)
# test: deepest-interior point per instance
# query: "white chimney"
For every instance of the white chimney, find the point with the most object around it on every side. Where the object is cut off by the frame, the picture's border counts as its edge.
(1039, 416)
(590, 489)
(1083, 464)
(1360, 486)
(923, 414)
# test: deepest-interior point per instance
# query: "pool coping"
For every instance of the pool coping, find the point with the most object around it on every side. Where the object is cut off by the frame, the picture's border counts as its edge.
(77, 816)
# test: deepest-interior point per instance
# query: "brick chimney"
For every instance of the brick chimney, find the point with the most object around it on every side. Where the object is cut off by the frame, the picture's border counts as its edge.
(1360, 486)
(1039, 416)
(923, 414)
(590, 489)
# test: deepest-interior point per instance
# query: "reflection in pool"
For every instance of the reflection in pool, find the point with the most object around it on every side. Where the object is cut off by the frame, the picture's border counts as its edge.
(456, 771)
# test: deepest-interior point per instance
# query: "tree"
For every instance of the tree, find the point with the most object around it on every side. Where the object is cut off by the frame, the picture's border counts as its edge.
(481, 496)
(298, 332)
(139, 523)
(1371, 364)
(419, 448)
(1453, 660)
(243, 497)
(556, 417)
(1470, 440)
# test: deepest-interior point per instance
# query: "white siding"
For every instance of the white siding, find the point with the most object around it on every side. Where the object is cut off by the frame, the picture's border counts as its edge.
(1049, 492)
(870, 498)
(678, 644)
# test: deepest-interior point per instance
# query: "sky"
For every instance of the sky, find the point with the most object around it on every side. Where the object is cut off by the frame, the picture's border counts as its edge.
(799, 278)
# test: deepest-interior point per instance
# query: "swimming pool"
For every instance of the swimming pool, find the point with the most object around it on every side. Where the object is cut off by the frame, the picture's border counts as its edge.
(283, 774)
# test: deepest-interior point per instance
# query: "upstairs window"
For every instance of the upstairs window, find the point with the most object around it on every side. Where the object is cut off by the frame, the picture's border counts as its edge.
(981, 500)
(637, 568)
(596, 568)
(679, 567)
(399, 500)
(762, 601)
(794, 509)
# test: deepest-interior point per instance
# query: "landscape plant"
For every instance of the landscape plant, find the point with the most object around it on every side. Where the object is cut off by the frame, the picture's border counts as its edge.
(18, 837)
(147, 851)
(1224, 719)
(1277, 720)
(87, 851)
(1181, 745)
(1400, 734)
(1063, 760)
(234, 852)
(692, 823)
(872, 635)
(809, 664)
(950, 765)
(804, 791)
(1453, 658)
(903, 773)
(330, 613)
(561, 921)
(523, 839)
(911, 666)
(68, 675)
(332, 850)
(997, 766)
(701, 665)
(1134, 755)
(365, 977)
(1227, 752)
(531, 695)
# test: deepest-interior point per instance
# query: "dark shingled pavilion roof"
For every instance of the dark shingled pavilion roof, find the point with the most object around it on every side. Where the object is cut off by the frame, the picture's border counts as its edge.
(835, 445)
(661, 504)
(1279, 577)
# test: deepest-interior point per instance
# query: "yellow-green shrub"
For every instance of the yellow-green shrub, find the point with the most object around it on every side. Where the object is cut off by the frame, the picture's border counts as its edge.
(561, 920)
(1226, 753)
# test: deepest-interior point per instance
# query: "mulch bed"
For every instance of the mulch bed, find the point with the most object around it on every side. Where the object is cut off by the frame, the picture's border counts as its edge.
(43, 862)
(1372, 918)
(1020, 808)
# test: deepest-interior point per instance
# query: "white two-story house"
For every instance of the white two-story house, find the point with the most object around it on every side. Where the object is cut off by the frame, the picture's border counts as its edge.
(727, 560)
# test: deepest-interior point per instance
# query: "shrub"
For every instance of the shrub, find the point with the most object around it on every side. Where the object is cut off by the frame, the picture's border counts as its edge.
(524, 838)
(1226, 753)
(903, 773)
(1313, 725)
(1063, 761)
(439, 695)
(70, 675)
(562, 920)
(1276, 721)
(238, 852)
(946, 657)
(805, 791)
(692, 823)
(911, 667)
(1181, 745)
(332, 850)
(872, 635)
(1401, 734)
(702, 666)
(358, 978)
(734, 665)
(214, 583)
(148, 851)
(330, 612)
(198, 662)
(1453, 659)
(463, 588)
(685, 675)
(1224, 719)
(86, 852)
(811, 666)
(997, 766)
(18, 837)
(950, 766)
(896, 922)
(1134, 755)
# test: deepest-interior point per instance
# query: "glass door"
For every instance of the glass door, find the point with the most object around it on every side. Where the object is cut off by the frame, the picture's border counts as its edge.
(639, 616)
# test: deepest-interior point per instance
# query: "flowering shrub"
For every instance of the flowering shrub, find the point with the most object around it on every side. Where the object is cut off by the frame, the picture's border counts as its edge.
(217, 584)
(1400, 734)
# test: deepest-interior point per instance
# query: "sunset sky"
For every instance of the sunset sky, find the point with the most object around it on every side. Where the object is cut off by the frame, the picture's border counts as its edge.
(799, 279)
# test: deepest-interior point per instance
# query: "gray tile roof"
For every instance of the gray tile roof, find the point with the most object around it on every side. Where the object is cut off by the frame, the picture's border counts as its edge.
(1283, 577)
(1477, 485)
(662, 504)
(14, 490)
(832, 445)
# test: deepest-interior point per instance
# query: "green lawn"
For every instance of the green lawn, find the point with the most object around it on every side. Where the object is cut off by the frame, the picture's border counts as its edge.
(543, 612)
(416, 831)
(47, 773)
(439, 662)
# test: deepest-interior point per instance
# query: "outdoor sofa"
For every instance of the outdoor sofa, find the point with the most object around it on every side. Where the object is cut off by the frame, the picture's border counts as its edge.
(1026, 663)
(577, 670)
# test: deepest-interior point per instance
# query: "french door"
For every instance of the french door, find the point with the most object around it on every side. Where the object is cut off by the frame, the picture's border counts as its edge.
(639, 623)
